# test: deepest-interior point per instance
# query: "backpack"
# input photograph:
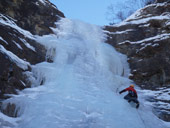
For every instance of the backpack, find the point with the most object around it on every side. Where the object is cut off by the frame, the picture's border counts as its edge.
(132, 93)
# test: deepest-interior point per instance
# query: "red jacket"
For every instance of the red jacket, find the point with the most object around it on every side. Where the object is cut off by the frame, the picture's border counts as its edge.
(131, 91)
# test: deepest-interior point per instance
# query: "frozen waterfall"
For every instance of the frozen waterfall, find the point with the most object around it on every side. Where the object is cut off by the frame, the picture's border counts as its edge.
(80, 87)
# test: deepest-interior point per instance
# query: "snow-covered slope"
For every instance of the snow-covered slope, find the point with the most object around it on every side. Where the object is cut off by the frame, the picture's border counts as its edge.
(81, 86)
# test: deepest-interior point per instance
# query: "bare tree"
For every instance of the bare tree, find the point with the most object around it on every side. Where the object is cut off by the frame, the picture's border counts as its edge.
(117, 13)
(146, 2)
(120, 15)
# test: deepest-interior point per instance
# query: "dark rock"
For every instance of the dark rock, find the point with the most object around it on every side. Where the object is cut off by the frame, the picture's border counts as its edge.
(14, 38)
(33, 15)
(11, 110)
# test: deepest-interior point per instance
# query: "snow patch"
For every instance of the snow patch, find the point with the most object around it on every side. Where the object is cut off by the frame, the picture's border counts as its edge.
(121, 32)
(162, 95)
(3, 40)
(149, 44)
(155, 38)
(27, 44)
(6, 21)
(19, 62)
(43, 1)
(19, 46)
(7, 122)
(138, 14)
(142, 21)
(4, 18)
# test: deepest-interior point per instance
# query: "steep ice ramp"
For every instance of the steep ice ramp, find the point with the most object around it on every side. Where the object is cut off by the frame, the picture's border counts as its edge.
(79, 89)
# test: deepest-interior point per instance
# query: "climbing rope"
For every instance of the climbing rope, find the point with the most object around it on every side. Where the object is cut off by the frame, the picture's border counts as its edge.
(117, 89)
(141, 118)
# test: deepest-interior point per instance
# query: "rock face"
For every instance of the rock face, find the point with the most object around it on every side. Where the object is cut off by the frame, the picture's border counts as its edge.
(145, 38)
(20, 20)
(35, 16)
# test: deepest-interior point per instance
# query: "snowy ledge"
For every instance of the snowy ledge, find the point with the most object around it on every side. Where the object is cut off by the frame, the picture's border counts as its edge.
(3, 40)
(155, 38)
(143, 21)
(119, 32)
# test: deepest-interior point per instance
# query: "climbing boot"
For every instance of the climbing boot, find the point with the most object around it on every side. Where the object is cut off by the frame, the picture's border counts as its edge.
(137, 106)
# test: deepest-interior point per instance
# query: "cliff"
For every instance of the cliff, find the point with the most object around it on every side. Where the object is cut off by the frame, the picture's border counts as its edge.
(20, 21)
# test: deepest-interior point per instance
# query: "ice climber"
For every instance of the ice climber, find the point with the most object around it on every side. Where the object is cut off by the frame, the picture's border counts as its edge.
(131, 96)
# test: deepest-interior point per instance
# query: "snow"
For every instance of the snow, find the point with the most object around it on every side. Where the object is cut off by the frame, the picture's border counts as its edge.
(155, 38)
(43, 1)
(3, 40)
(7, 122)
(23, 83)
(6, 20)
(134, 15)
(137, 15)
(160, 4)
(19, 62)
(167, 23)
(27, 44)
(149, 44)
(9, 22)
(81, 86)
(162, 95)
(120, 32)
(19, 46)
(142, 21)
